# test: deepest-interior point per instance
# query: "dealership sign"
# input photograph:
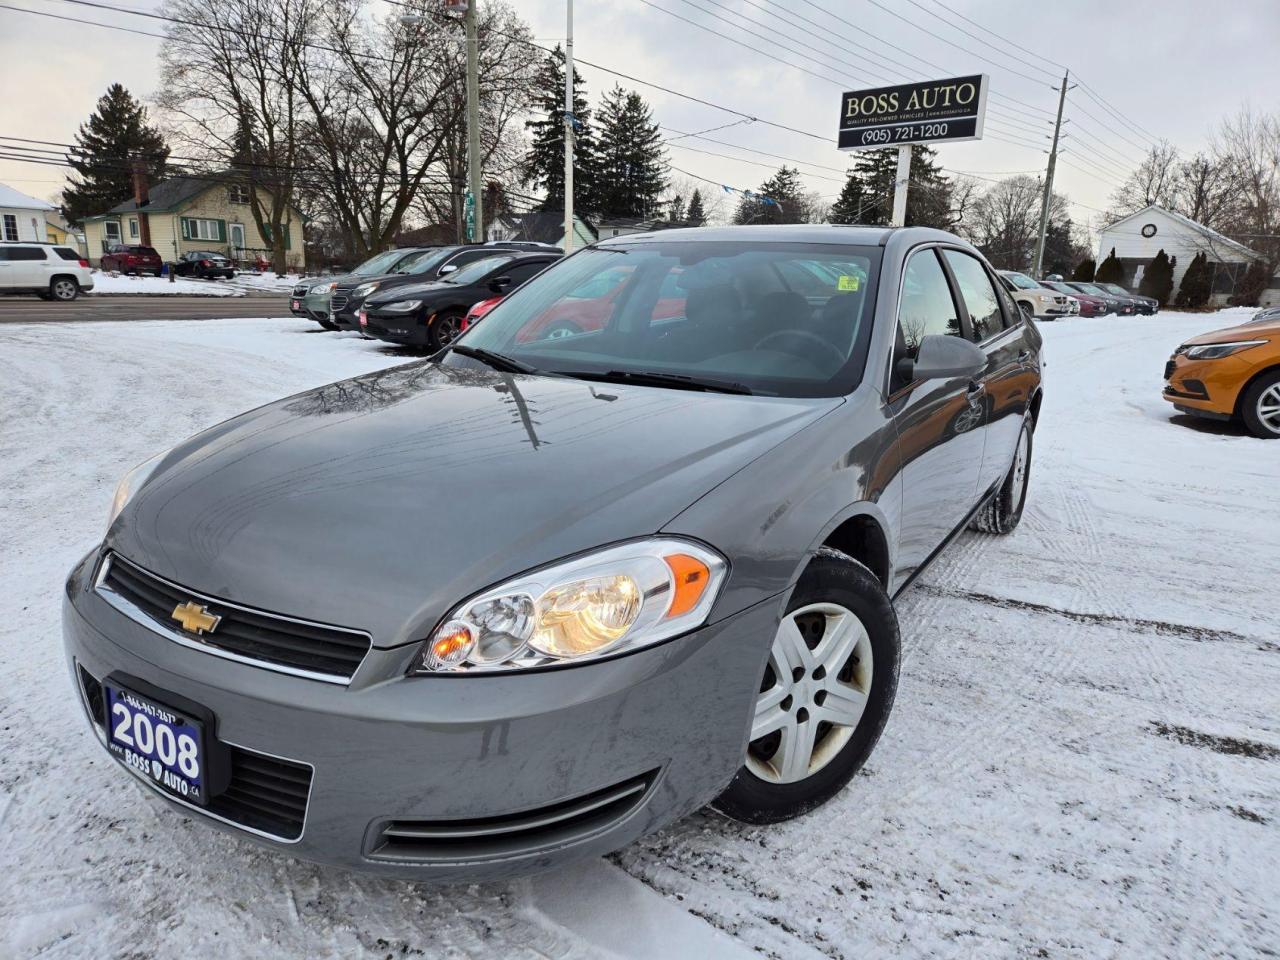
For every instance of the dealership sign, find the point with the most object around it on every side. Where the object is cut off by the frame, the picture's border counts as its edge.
(928, 112)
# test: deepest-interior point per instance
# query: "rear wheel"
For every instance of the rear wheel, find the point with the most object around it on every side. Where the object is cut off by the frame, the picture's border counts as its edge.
(1004, 510)
(64, 288)
(1260, 406)
(826, 693)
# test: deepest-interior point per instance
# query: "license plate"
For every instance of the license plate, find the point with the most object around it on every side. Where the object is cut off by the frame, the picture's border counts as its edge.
(364, 319)
(295, 304)
(158, 743)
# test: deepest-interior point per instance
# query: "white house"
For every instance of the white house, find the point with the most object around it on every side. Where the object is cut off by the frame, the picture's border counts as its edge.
(1138, 237)
(22, 217)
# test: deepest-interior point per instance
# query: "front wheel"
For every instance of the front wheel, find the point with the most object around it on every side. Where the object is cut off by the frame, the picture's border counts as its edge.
(825, 695)
(444, 330)
(64, 289)
(1002, 513)
(1260, 406)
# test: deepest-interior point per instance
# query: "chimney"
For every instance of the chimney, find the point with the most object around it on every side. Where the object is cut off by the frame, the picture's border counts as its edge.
(141, 193)
(142, 197)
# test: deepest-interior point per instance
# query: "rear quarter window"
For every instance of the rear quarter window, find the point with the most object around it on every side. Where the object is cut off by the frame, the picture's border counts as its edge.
(66, 253)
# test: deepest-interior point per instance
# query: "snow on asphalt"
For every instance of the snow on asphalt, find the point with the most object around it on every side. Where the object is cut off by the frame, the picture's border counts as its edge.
(1084, 759)
(243, 284)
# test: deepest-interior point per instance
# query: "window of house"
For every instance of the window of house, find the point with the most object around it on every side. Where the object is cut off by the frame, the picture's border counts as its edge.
(202, 229)
(238, 193)
(133, 229)
(10, 227)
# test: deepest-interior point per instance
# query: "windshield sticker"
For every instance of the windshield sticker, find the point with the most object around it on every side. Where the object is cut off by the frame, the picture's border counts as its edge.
(849, 283)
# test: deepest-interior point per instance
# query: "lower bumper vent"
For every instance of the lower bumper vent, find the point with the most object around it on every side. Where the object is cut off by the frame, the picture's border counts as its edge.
(511, 835)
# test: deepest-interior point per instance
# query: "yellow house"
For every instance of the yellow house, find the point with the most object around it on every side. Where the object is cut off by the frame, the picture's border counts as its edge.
(186, 214)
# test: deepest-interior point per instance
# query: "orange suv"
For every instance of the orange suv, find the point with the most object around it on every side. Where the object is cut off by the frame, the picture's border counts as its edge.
(1230, 373)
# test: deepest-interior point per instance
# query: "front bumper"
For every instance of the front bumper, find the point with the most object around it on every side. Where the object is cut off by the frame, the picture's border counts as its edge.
(406, 328)
(668, 724)
(1210, 387)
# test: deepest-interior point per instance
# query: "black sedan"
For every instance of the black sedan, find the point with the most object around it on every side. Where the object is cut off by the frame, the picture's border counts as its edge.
(204, 265)
(430, 314)
(1141, 304)
(1121, 306)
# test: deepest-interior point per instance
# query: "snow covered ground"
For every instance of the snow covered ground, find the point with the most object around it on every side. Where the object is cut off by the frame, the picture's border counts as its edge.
(242, 284)
(1084, 758)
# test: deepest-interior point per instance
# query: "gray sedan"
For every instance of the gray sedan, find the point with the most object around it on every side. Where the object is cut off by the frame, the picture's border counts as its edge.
(628, 547)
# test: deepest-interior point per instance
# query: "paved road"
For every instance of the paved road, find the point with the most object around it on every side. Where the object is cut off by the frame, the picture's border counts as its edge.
(33, 310)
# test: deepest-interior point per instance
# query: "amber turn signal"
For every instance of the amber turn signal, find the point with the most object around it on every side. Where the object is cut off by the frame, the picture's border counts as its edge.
(691, 577)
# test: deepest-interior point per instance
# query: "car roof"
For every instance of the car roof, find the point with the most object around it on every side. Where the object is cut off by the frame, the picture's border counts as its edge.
(784, 233)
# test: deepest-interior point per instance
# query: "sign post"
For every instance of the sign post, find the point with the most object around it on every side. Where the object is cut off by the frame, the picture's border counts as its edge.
(934, 111)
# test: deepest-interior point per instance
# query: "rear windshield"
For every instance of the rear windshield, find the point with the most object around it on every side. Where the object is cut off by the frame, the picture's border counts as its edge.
(66, 253)
(145, 251)
(782, 319)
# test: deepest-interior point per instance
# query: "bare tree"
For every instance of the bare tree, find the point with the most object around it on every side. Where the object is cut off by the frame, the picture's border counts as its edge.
(1202, 190)
(1005, 221)
(1248, 144)
(229, 80)
(1152, 182)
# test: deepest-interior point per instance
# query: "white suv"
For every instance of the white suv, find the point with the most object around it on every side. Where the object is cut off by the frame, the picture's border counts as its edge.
(48, 270)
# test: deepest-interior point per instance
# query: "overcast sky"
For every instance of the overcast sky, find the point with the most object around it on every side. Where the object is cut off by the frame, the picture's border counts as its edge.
(1171, 68)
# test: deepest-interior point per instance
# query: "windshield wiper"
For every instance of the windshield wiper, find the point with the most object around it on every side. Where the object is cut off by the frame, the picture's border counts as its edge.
(677, 381)
(496, 360)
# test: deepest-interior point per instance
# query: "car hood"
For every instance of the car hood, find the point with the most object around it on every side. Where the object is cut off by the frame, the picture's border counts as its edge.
(380, 502)
(402, 291)
(1267, 330)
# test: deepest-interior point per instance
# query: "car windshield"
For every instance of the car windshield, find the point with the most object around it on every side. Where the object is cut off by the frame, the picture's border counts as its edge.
(1091, 288)
(783, 319)
(1060, 287)
(378, 264)
(429, 262)
(477, 268)
(1116, 289)
(1022, 281)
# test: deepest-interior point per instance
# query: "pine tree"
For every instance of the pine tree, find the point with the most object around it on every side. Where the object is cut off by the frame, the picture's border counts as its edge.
(675, 209)
(695, 214)
(631, 165)
(544, 163)
(1085, 271)
(1111, 270)
(1194, 289)
(1157, 279)
(786, 192)
(849, 205)
(115, 134)
(1249, 289)
(928, 193)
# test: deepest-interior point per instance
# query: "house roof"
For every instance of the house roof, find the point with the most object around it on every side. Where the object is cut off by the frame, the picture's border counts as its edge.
(169, 194)
(10, 197)
(1199, 228)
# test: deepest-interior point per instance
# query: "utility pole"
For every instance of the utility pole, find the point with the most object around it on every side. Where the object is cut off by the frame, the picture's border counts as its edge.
(568, 132)
(1048, 179)
(900, 184)
(473, 121)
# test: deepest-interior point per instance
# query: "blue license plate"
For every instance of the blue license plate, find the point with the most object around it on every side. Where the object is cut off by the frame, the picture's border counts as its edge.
(158, 743)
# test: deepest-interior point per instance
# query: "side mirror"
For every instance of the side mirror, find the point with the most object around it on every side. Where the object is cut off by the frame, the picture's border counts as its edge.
(448, 268)
(942, 357)
(499, 284)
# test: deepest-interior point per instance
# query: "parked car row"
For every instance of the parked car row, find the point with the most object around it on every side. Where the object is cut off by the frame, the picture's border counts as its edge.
(420, 296)
(1054, 298)
(133, 258)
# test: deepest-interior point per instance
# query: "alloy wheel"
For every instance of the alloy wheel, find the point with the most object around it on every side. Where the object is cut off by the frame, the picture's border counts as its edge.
(813, 695)
(64, 290)
(1019, 483)
(1268, 408)
(446, 330)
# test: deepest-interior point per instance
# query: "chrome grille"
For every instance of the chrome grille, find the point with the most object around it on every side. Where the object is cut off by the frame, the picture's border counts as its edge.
(285, 644)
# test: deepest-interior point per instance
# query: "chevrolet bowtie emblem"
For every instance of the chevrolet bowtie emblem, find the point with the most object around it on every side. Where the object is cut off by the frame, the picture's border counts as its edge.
(195, 618)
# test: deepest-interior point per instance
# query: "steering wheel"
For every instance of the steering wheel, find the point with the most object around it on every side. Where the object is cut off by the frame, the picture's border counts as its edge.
(804, 335)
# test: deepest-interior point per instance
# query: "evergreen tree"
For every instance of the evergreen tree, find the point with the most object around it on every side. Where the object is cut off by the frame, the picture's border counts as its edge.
(1249, 290)
(928, 193)
(1111, 270)
(675, 209)
(630, 163)
(1157, 279)
(1085, 271)
(1194, 289)
(848, 207)
(544, 163)
(786, 192)
(115, 134)
(695, 214)
(1060, 251)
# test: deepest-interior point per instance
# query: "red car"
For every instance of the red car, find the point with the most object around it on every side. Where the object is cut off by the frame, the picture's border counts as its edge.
(1090, 306)
(478, 311)
(132, 258)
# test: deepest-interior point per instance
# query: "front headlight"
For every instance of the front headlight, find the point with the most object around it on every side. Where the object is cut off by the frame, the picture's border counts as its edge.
(323, 287)
(129, 485)
(400, 306)
(1216, 351)
(607, 602)
(1044, 299)
(364, 289)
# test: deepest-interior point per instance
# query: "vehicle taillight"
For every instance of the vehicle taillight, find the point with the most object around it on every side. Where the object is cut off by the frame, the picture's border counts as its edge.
(84, 263)
(206, 263)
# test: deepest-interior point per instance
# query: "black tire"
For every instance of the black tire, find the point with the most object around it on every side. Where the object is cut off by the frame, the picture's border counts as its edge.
(1002, 513)
(832, 577)
(444, 330)
(64, 289)
(1027, 313)
(1266, 386)
(327, 324)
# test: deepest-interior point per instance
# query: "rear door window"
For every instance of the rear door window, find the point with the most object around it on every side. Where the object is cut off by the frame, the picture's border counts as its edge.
(26, 253)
